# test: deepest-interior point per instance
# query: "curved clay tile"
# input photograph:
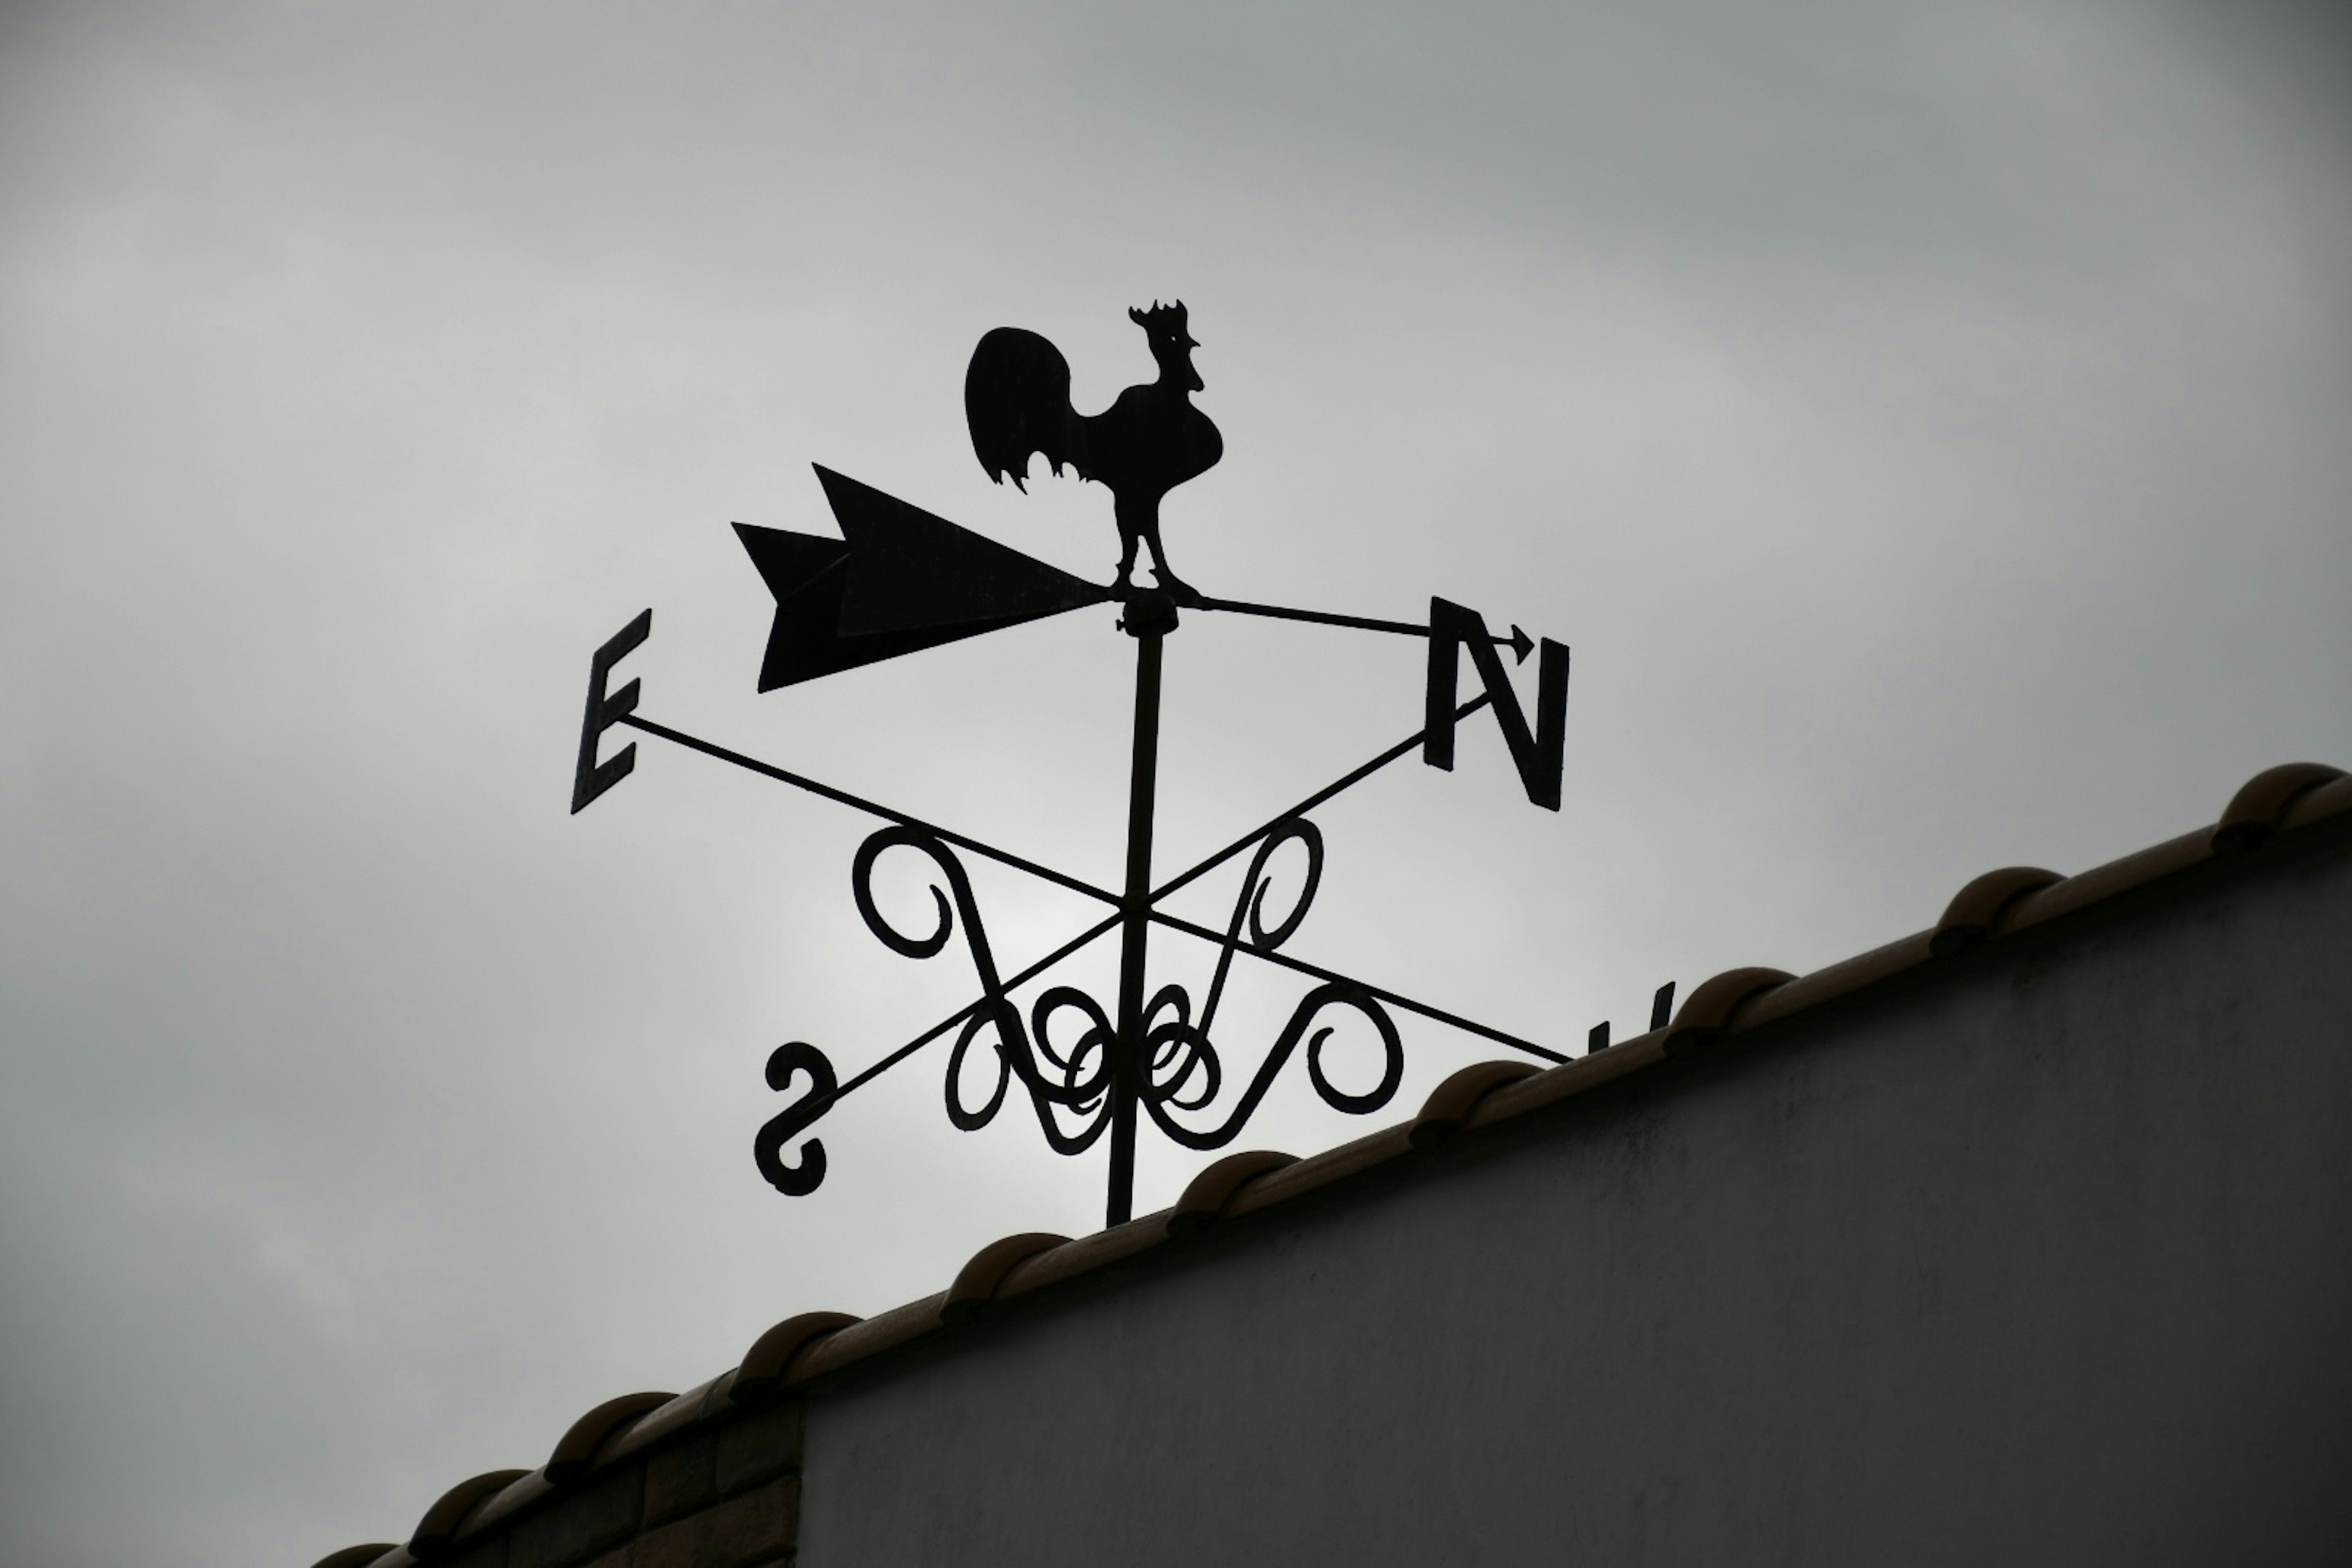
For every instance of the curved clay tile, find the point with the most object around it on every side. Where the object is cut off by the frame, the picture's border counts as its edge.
(1709, 1010)
(975, 1285)
(1207, 1194)
(441, 1520)
(355, 1556)
(762, 1375)
(1449, 1105)
(568, 1465)
(1084, 1254)
(2259, 808)
(871, 1336)
(1974, 914)
(2318, 804)
(663, 1422)
(493, 1511)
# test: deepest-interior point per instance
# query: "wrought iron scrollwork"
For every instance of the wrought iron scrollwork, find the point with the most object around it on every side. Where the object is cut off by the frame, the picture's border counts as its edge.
(1067, 1080)
(1251, 903)
(1081, 1078)
(1176, 1050)
(1067, 1064)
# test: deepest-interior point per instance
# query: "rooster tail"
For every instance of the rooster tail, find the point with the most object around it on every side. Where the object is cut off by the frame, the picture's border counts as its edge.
(1016, 399)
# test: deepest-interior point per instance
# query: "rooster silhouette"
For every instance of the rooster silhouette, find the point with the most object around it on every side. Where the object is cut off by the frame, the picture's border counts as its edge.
(1016, 398)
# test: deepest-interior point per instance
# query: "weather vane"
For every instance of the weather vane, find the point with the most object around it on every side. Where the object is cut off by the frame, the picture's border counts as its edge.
(900, 580)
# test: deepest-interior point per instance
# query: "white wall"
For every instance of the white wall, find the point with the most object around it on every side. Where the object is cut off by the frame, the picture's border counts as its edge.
(2046, 1257)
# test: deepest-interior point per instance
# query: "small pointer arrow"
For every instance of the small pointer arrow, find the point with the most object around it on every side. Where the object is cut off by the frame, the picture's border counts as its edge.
(1518, 642)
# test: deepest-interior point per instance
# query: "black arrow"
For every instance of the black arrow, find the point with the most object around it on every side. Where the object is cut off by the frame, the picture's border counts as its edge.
(897, 581)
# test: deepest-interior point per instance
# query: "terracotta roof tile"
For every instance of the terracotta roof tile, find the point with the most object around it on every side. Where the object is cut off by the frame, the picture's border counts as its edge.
(1451, 1103)
(510, 1501)
(1977, 910)
(975, 1284)
(1770, 1003)
(438, 1528)
(568, 1465)
(771, 1355)
(1374, 1149)
(1207, 1194)
(2317, 804)
(663, 1422)
(1714, 1004)
(2259, 808)
(2104, 882)
(1083, 1256)
(1570, 1079)
(870, 1336)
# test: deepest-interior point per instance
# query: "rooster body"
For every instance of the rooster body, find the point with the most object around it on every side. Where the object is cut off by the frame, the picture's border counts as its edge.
(1016, 399)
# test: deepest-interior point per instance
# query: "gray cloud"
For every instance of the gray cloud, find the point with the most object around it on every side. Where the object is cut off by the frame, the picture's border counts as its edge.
(1924, 421)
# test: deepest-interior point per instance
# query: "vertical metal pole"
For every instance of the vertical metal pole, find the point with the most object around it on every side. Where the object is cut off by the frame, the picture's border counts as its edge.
(1148, 622)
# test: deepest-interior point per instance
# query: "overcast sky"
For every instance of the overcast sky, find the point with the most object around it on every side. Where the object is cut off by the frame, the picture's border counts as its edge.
(1927, 421)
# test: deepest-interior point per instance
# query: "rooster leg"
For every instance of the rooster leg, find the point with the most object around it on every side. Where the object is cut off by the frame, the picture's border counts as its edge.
(1169, 581)
(1126, 541)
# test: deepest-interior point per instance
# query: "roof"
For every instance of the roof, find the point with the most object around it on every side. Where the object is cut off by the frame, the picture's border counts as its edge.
(2290, 811)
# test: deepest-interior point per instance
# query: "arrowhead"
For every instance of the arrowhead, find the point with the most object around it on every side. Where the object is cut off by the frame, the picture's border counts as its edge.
(900, 580)
(1521, 644)
(911, 571)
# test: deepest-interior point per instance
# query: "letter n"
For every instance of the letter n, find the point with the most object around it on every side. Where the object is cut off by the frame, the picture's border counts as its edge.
(1540, 754)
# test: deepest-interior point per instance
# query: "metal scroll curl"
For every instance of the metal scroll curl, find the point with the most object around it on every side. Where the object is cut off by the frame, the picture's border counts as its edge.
(1063, 1054)
(799, 1179)
(1178, 1050)
(1250, 903)
(1078, 1083)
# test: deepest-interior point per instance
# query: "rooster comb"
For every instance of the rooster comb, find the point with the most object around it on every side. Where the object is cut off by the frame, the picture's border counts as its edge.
(1159, 318)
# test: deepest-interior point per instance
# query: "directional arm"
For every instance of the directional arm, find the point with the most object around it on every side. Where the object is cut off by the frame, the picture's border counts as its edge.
(1332, 975)
(1345, 782)
(1518, 642)
(1099, 929)
(888, 813)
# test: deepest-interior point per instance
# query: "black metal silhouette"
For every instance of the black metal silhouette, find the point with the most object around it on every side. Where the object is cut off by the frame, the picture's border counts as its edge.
(1662, 1009)
(786, 1063)
(1156, 1059)
(1087, 1082)
(897, 581)
(590, 778)
(901, 579)
(1016, 399)
(1539, 754)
